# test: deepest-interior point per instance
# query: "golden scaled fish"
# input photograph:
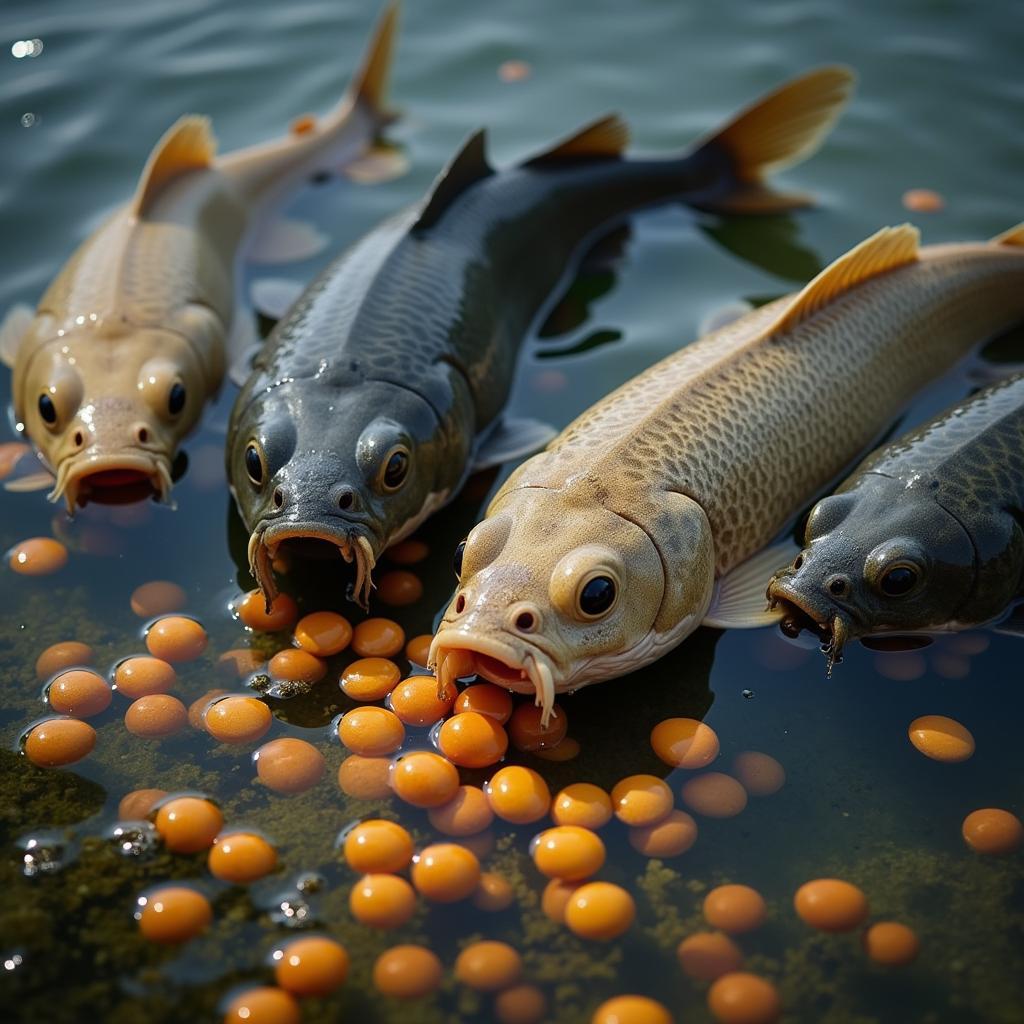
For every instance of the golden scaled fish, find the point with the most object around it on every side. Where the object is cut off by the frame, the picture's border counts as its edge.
(132, 337)
(650, 513)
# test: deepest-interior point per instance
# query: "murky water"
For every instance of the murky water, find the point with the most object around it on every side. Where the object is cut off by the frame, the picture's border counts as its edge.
(939, 105)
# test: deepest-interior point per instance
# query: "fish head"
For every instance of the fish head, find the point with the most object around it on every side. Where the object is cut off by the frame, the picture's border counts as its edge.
(884, 557)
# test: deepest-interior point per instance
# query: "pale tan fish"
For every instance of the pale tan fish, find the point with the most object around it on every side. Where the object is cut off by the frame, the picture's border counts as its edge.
(650, 513)
(135, 333)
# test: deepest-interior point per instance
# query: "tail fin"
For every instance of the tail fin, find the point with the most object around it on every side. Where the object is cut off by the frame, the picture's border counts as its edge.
(779, 130)
(370, 82)
(1014, 237)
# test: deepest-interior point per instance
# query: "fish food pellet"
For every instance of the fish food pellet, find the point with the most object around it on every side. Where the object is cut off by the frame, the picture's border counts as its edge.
(371, 731)
(289, 765)
(923, 200)
(641, 800)
(377, 846)
(143, 676)
(241, 857)
(424, 779)
(891, 943)
(312, 966)
(188, 824)
(831, 905)
(714, 795)
(370, 679)
(197, 709)
(735, 908)
(265, 1005)
(941, 738)
(407, 972)
(446, 873)
(239, 662)
(493, 893)
(378, 638)
(156, 716)
(252, 610)
(175, 638)
(564, 750)
(365, 778)
(237, 719)
(741, 998)
(323, 634)
(174, 914)
(59, 741)
(137, 805)
(66, 654)
(518, 795)
(38, 556)
(418, 703)
(79, 692)
(555, 898)
(568, 852)
(472, 740)
(485, 699)
(466, 814)
(993, 830)
(631, 1010)
(527, 733)
(488, 966)
(399, 588)
(294, 666)
(407, 552)
(759, 774)
(670, 837)
(600, 910)
(685, 742)
(521, 1004)
(417, 650)
(705, 956)
(382, 901)
(582, 804)
(157, 598)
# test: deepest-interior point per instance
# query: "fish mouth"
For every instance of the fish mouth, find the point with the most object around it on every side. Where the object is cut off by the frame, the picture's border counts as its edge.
(524, 668)
(832, 626)
(112, 478)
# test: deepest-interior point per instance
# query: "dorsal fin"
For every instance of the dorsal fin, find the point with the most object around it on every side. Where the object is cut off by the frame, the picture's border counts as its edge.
(188, 145)
(885, 250)
(1015, 236)
(606, 138)
(467, 167)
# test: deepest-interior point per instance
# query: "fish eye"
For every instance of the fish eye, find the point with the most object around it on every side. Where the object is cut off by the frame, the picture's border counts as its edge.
(395, 468)
(47, 410)
(176, 398)
(899, 580)
(457, 559)
(254, 463)
(596, 596)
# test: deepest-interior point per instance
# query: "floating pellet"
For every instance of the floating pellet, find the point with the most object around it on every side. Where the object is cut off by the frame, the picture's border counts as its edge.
(417, 649)
(365, 778)
(568, 852)
(237, 719)
(55, 742)
(446, 873)
(759, 774)
(175, 638)
(323, 634)
(714, 795)
(583, 804)
(485, 699)
(941, 738)
(240, 662)
(137, 805)
(472, 740)
(378, 638)
(296, 666)
(188, 824)
(143, 676)
(377, 846)
(600, 910)
(371, 731)
(705, 956)
(241, 857)
(418, 703)
(252, 610)
(831, 905)
(493, 893)
(891, 943)
(631, 1010)
(382, 901)
(424, 779)
(741, 998)
(670, 837)
(289, 765)
(685, 742)
(38, 556)
(407, 552)
(735, 908)
(173, 914)
(555, 898)
(370, 679)
(66, 654)
(265, 1005)
(158, 597)
(399, 588)
(467, 813)
(79, 692)
(992, 830)
(520, 1004)
(312, 966)
(407, 972)
(527, 733)
(488, 966)
(156, 716)
(641, 800)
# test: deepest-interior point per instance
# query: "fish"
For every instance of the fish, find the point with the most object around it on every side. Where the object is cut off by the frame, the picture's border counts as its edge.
(655, 510)
(135, 333)
(384, 386)
(925, 535)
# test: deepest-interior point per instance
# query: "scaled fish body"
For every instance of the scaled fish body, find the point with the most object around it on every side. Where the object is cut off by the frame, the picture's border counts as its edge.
(384, 386)
(603, 551)
(131, 338)
(926, 534)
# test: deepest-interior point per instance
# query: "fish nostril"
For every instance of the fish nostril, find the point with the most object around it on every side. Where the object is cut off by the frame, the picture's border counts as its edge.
(345, 500)
(526, 622)
(460, 604)
(278, 497)
(837, 586)
(142, 435)
(798, 562)
(79, 439)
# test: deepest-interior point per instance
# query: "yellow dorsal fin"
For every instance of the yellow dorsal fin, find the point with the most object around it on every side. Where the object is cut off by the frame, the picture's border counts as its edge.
(884, 250)
(188, 145)
(1015, 236)
(605, 138)
(371, 80)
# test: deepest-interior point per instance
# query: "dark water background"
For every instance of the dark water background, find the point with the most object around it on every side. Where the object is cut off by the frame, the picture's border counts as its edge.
(940, 104)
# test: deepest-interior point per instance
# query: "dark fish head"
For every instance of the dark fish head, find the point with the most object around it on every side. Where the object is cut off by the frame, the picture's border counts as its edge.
(349, 470)
(882, 558)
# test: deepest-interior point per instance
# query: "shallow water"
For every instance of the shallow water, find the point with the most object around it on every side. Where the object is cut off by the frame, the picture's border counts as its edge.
(939, 105)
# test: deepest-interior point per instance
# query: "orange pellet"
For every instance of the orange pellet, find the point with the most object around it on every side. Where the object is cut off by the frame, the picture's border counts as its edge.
(59, 741)
(289, 765)
(197, 709)
(157, 598)
(493, 893)
(685, 742)
(417, 650)
(370, 679)
(174, 914)
(993, 830)
(156, 716)
(417, 702)
(941, 738)
(759, 774)
(641, 800)
(582, 804)
(600, 910)
(382, 901)
(714, 795)
(142, 677)
(424, 779)
(365, 778)
(407, 552)
(264, 1005)
(706, 956)
(891, 943)
(923, 200)
(472, 740)
(670, 837)
(466, 814)
(831, 905)
(66, 654)
(407, 972)
(79, 692)
(237, 719)
(378, 638)
(371, 731)
(175, 638)
(631, 1010)
(568, 852)
(446, 872)
(526, 732)
(488, 966)
(741, 998)
(38, 556)
(312, 966)
(240, 662)
(377, 846)
(520, 1004)
(482, 844)
(564, 750)
(323, 634)
(514, 70)
(735, 908)
(555, 898)
(188, 824)
(399, 587)
(137, 805)
(296, 666)
(518, 795)
(485, 699)
(241, 857)
(252, 610)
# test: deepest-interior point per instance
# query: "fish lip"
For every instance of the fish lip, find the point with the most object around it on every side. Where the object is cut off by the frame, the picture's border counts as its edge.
(825, 621)
(74, 470)
(780, 590)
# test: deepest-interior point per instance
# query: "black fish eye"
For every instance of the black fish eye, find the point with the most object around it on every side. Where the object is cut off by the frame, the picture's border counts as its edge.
(396, 468)
(176, 398)
(899, 580)
(254, 464)
(47, 409)
(597, 596)
(457, 559)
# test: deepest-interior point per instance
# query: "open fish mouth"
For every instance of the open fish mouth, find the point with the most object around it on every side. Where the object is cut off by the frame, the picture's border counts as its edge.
(112, 477)
(832, 626)
(457, 653)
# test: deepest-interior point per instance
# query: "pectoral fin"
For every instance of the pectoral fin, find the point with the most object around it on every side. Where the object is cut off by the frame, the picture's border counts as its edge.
(14, 327)
(42, 480)
(287, 241)
(511, 439)
(381, 162)
(739, 600)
